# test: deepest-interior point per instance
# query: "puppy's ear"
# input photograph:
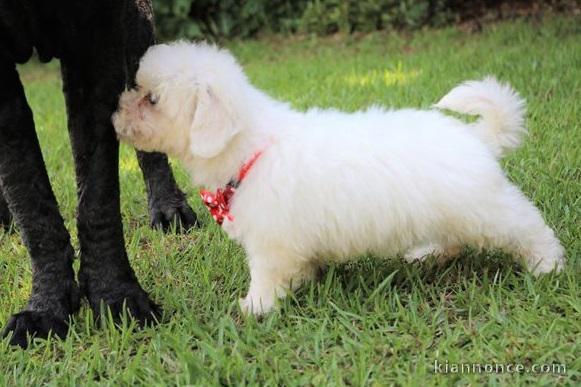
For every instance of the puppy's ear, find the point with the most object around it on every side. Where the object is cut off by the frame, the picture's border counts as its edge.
(213, 125)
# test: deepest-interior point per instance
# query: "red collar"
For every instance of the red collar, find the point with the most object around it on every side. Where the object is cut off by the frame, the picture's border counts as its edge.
(218, 202)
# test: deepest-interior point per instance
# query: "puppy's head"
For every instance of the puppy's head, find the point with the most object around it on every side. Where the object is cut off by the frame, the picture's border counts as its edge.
(189, 100)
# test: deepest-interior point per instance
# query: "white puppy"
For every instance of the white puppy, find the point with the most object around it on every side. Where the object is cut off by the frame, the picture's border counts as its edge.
(325, 185)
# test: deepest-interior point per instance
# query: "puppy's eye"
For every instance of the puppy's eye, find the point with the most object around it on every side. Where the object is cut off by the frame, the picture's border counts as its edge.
(152, 99)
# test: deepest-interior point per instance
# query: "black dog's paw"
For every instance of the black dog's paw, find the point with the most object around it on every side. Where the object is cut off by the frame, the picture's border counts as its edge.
(54, 299)
(165, 214)
(34, 324)
(127, 299)
(139, 307)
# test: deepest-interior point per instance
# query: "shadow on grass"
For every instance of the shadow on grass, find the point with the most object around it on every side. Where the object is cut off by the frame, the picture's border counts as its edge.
(467, 265)
(372, 283)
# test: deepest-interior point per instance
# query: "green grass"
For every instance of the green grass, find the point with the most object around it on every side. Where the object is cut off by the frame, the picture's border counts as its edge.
(372, 322)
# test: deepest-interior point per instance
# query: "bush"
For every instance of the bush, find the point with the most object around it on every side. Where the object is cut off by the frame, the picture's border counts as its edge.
(328, 16)
(247, 18)
(227, 18)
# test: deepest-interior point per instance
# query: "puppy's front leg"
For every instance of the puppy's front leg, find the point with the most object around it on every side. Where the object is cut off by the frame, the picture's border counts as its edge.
(272, 276)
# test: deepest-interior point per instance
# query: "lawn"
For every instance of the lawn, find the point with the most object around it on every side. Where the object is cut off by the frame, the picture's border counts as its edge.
(372, 322)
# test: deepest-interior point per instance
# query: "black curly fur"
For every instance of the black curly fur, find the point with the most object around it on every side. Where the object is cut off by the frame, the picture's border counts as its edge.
(5, 216)
(99, 43)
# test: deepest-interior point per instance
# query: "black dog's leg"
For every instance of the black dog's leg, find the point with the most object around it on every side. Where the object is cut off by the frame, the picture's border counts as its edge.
(167, 203)
(5, 216)
(105, 275)
(25, 183)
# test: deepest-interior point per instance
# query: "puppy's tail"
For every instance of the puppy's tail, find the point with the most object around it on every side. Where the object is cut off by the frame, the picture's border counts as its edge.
(501, 109)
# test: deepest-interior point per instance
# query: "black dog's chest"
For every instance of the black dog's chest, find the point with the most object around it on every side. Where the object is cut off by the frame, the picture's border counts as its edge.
(54, 28)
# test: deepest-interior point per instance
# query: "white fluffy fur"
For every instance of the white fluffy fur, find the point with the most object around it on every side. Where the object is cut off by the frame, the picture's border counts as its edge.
(332, 185)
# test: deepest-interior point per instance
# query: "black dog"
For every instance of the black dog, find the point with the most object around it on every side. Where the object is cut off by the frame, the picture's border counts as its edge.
(99, 43)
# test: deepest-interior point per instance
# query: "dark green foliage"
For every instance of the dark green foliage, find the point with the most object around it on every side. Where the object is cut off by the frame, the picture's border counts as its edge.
(328, 16)
(247, 18)
(244, 18)
(227, 18)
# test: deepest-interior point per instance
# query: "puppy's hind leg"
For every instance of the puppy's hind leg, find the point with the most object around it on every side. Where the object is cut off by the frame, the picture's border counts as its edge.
(521, 230)
(272, 276)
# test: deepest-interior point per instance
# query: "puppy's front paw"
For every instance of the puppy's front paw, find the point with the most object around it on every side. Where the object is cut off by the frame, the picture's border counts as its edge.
(256, 306)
